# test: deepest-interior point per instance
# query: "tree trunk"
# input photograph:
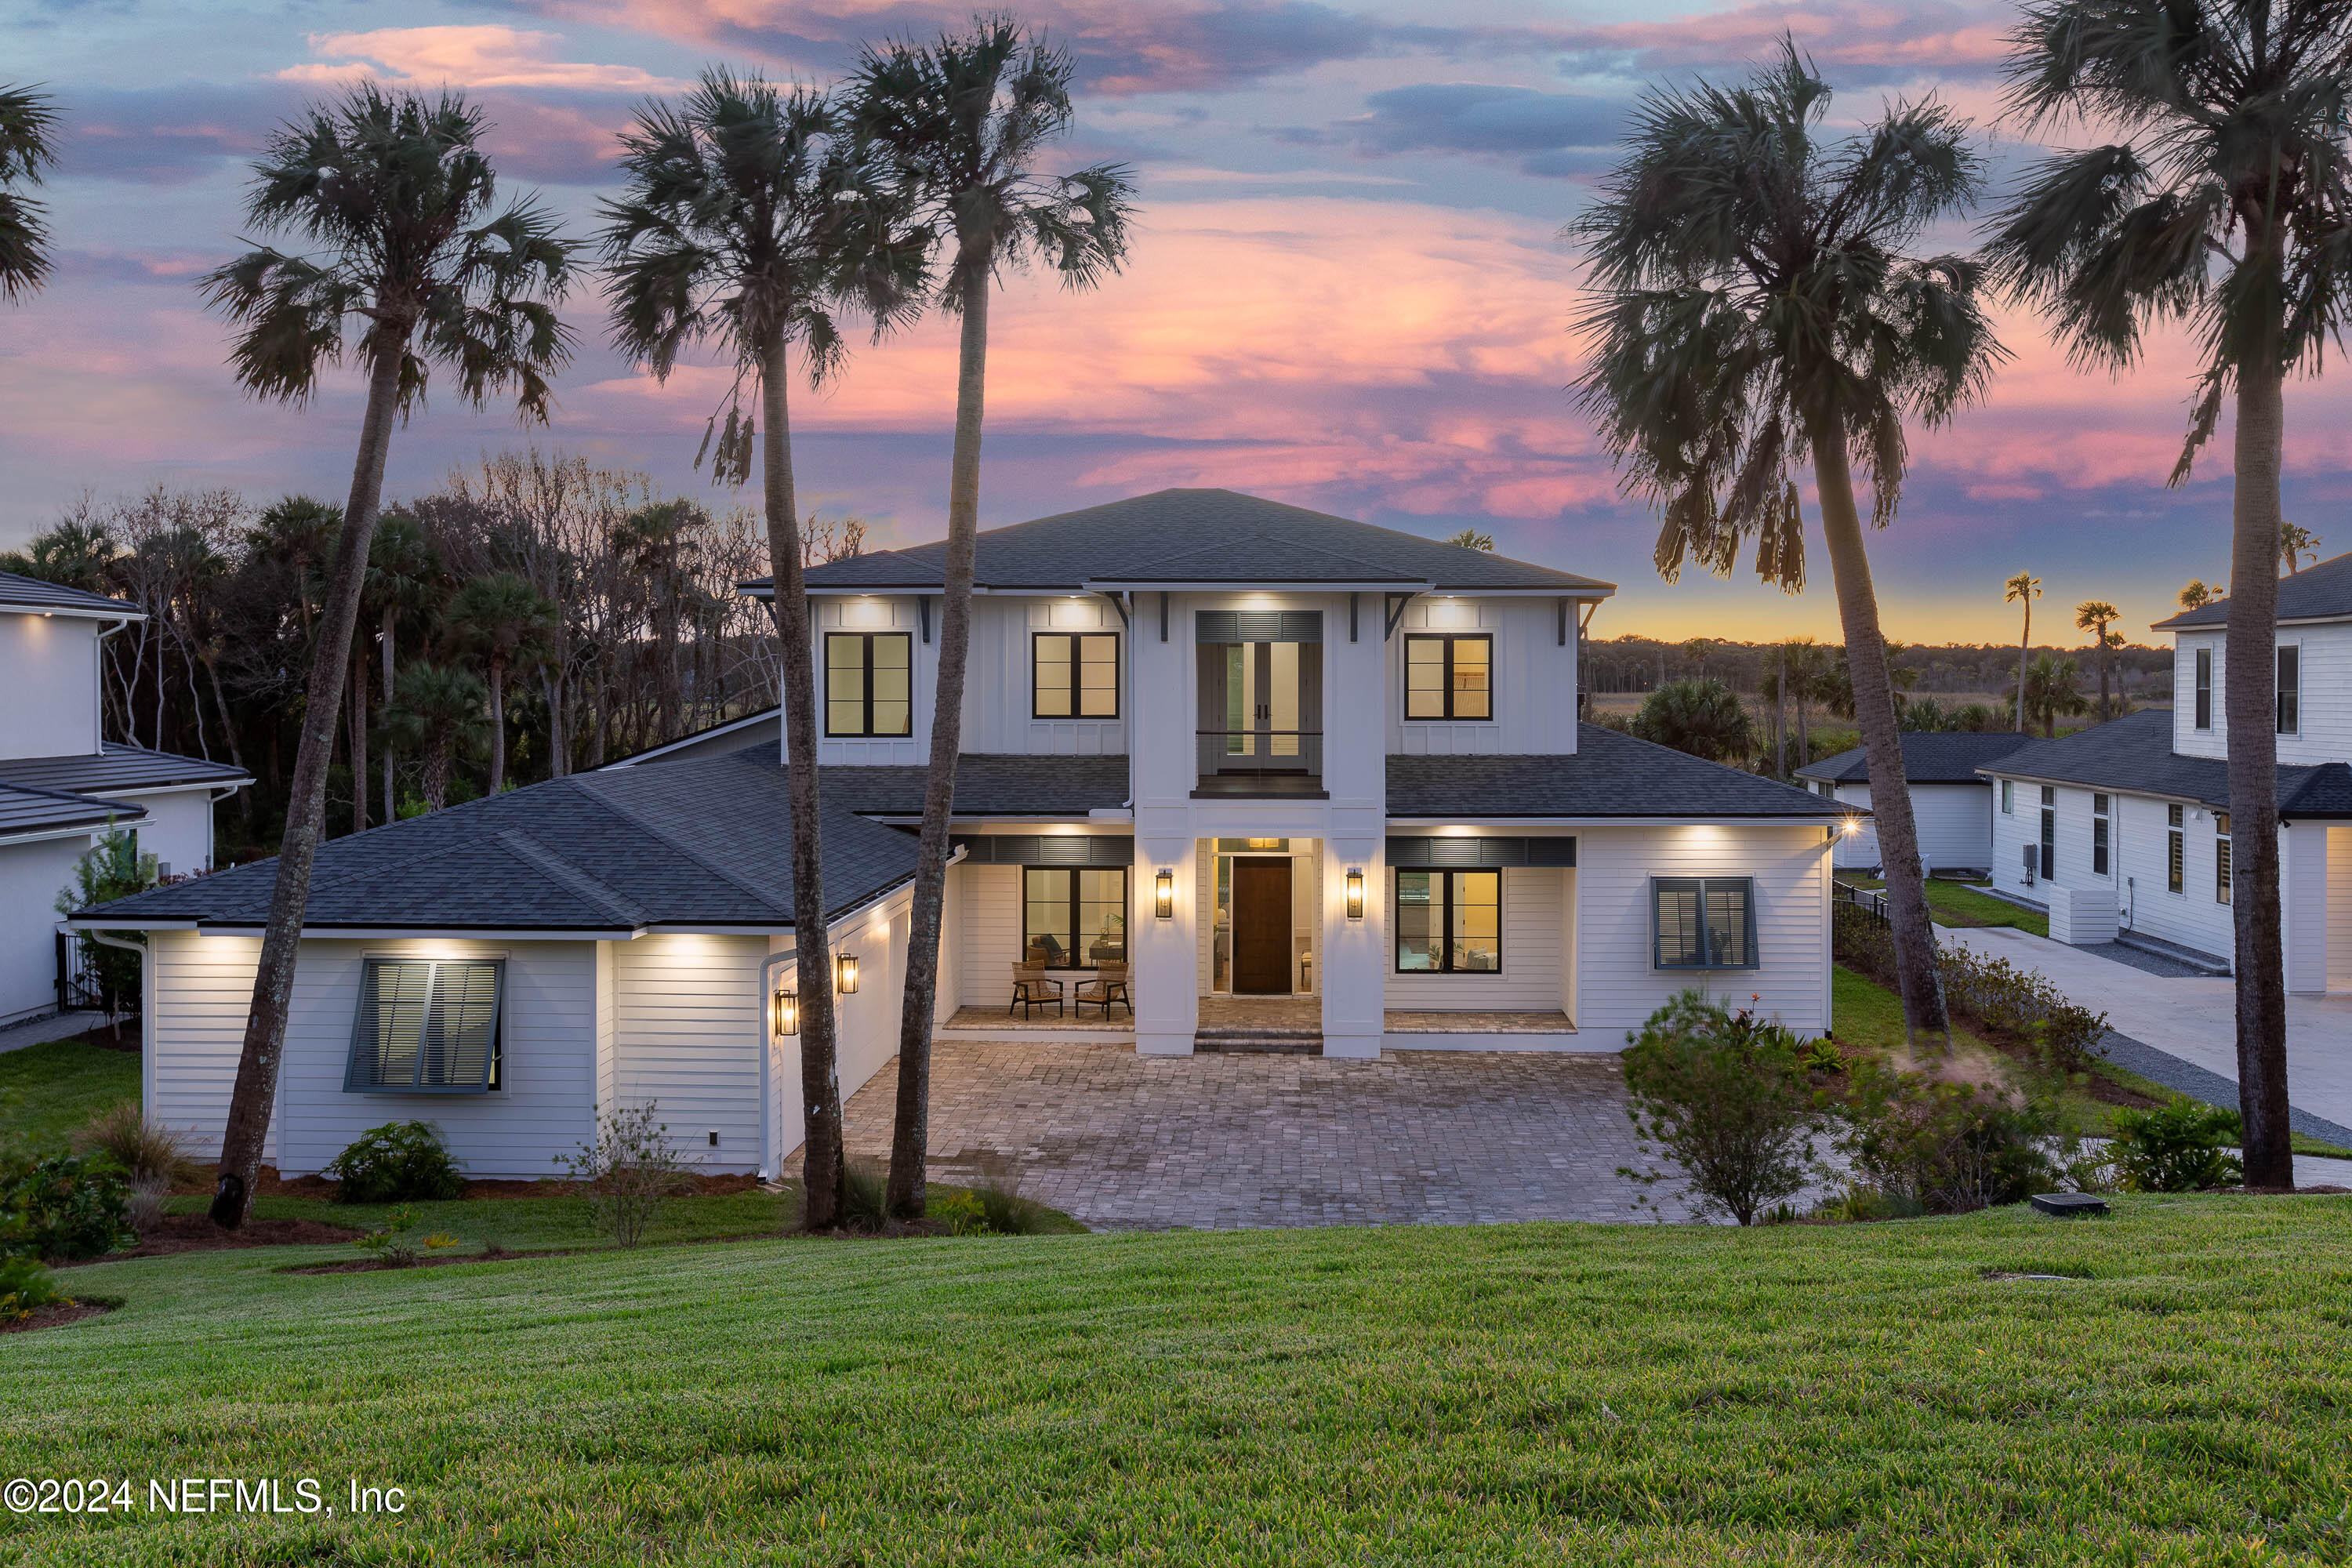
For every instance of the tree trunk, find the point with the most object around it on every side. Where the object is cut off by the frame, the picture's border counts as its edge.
(2104, 658)
(1873, 710)
(236, 752)
(2250, 696)
(391, 804)
(256, 1090)
(2024, 649)
(355, 706)
(910, 1132)
(821, 1151)
(437, 767)
(1781, 716)
(498, 725)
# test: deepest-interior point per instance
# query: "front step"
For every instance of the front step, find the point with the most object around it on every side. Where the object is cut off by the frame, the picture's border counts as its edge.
(1231, 1041)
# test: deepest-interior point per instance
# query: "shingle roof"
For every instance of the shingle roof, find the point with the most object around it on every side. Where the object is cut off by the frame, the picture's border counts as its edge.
(1611, 774)
(2316, 593)
(1937, 758)
(30, 592)
(1000, 784)
(117, 768)
(2133, 755)
(1144, 538)
(25, 810)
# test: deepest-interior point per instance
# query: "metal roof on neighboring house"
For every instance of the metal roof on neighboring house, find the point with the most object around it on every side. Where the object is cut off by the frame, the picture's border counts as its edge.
(1178, 535)
(1611, 774)
(22, 593)
(28, 811)
(2319, 592)
(1938, 757)
(118, 767)
(2133, 755)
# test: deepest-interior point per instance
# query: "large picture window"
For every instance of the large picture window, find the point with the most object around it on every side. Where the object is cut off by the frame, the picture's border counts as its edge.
(1703, 922)
(1073, 674)
(1449, 677)
(869, 683)
(427, 1027)
(1449, 922)
(1073, 916)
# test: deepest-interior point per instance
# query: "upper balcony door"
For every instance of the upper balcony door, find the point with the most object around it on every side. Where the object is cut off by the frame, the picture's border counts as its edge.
(1261, 728)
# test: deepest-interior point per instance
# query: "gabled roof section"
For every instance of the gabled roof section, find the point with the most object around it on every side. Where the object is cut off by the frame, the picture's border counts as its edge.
(1611, 775)
(29, 811)
(1116, 542)
(2133, 755)
(20, 593)
(1941, 758)
(2318, 592)
(119, 768)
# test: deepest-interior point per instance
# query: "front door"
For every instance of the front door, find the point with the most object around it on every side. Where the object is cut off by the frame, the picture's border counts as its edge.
(1261, 926)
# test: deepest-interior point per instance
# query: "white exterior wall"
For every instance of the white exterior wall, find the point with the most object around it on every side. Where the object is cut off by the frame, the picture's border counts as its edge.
(2339, 908)
(867, 1023)
(198, 989)
(686, 1031)
(2325, 732)
(986, 899)
(1953, 823)
(49, 702)
(32, 874)
(178, 830)
(998, 687)
(875, 614)
(2187, 740)
(2137, 852)
(1535, 906)
(1533, 679)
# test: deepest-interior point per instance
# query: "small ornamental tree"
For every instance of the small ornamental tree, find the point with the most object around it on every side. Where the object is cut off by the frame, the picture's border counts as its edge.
(1725, 1096)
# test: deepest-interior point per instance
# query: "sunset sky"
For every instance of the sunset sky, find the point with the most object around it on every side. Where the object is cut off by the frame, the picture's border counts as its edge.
(1347, 290)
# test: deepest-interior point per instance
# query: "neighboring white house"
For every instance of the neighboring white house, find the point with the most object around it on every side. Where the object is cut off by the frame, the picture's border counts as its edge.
(2140, 807)
(61, 783)
(1951, 802)
(1245, 749)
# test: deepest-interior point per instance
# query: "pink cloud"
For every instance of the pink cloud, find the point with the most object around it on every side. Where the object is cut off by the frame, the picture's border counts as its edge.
(1932, 34)
(480, 57)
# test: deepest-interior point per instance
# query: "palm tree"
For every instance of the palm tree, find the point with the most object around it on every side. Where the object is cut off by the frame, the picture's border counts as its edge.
(505, 622)
(2195, 592)
(1701, 716)
(77, 553)
(751, 213)
(397, 193)
(2023, 589)
(1471, 539)
(403, 573)
(438, 715)
(2222, 206)
(1756, 304)
(964, 118)
(28, 128)
(2295, 543)
(2096, 615)
(2052, 692)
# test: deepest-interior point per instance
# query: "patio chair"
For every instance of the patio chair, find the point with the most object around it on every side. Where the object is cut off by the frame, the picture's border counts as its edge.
(1106, 990)
(1032, 990)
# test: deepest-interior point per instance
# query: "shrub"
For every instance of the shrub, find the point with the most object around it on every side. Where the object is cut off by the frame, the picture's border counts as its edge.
(864, 1197)
(1991, 992)
(26, 1287)
(1726, 1097)
(2181, 1147)
(1947, 1147)
(145, 1203)
(400, 1162)
(1701, 717)
(61, 1207)
(628, 1172)
(145, 1149)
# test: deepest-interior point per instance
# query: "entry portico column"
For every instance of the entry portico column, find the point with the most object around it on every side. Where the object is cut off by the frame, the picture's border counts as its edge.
(1165, 951)
(1355, 951)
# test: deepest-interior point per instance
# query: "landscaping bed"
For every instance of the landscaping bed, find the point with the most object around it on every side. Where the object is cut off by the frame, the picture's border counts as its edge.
(57, 1316)
(196, 1232)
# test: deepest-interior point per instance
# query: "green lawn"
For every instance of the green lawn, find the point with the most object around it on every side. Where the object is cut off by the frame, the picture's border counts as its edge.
(1534, 1394)
(1957, 904)
(49, 1090)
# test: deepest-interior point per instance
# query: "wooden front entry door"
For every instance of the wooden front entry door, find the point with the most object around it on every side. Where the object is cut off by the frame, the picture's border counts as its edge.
(1261, 926)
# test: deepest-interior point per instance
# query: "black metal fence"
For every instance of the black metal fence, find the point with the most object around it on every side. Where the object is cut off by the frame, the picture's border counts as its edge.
(80, 988)
(1871, 901)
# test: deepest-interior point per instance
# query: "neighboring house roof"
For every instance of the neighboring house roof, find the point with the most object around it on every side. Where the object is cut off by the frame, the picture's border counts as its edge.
(2318, 592)
(117, 768)
(1938, 758)
(2133, 755)
(26, 811)
(20, 593)
(1197, 535)
(773, 714)
(1611, 774)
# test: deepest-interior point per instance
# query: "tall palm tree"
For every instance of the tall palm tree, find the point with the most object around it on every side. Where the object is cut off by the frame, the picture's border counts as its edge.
(2225, 204)
(964, 120)
(507, 622)
(2095, 616)
(396, 195)
(28, 128)
(1757, 304)
(752, 213)
(404, 575)
(2295, 544)
(438, 715)
(2023, 589)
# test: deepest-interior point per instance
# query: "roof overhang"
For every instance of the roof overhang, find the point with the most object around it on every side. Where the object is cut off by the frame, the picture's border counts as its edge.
(1807, 819)
(68, 829)
(74, 612)
(1258, 586)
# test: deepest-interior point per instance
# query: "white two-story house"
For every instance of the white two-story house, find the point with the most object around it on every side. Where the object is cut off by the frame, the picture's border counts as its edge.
(2140, 807)
(1259, 756)
(62, 781)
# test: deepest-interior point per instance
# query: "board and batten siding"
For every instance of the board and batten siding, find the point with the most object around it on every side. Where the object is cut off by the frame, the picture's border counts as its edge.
(999, 698)
(864, 613)
(1534, 906)
(1618, 984)
(1533, 678)
(198, 989)
(1953, 822)
(688, 1021)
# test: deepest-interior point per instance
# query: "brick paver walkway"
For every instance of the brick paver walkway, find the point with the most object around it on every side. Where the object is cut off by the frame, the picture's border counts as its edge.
(1125, 1142)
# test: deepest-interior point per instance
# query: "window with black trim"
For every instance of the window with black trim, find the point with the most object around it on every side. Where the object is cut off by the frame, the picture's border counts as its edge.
(2204, 713)
(1073, 916)
(2098, 835)
(2173, 849)
(869, 683)
(1449, 677)
(1073, 674)
(2049, 833)
(2221, 857)
(427, 1027)
(1449, 922)
(2007, 797)
(2290, 689)
(1703, 922)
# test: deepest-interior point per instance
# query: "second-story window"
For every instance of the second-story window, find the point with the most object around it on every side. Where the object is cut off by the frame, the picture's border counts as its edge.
(1449, 677)
(2290, 689)
(869, 683)
(1073, 674)
(2204, 687)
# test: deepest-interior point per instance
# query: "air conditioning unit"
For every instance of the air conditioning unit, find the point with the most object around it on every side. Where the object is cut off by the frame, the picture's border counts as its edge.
(2033, 862)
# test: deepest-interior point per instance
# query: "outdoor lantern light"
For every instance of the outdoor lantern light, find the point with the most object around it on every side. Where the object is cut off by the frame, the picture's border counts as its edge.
(784, 1014)
(844, 974)
(1354, 892)
(1163, 894)
(1853, 825)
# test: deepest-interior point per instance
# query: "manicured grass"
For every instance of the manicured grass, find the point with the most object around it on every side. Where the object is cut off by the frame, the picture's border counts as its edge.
(1534, 1394)
(1955, 904)
(47, 1092)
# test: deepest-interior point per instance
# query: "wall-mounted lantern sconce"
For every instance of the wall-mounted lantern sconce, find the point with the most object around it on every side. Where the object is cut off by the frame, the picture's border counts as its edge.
(1163, 894)
(845, 973)
(1354, 892)
(784, 1014)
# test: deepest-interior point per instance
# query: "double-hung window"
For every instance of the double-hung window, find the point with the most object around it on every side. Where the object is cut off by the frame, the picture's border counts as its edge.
(1073, 916)
(2221, 857)
(869, 683)
(2173, 848)
(427, 1027)
(1449, 677)
(2204, 714)
(2290, 689)
(2049, 833)
(1073, 674)
(1449, 922)
(1703, 922)
(2099, 819)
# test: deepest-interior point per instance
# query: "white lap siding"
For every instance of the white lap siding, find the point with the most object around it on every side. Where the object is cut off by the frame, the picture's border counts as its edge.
(2137, 855)
(198, 991)
(867, 1024)
(2339, 908)
(1952, 821)
(686, 1036)
(1529, 981)
(1618, 982)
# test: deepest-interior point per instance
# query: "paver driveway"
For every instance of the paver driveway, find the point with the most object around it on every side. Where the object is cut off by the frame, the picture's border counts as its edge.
(1125, 1142)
